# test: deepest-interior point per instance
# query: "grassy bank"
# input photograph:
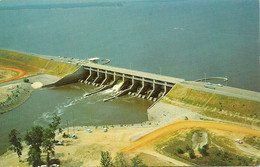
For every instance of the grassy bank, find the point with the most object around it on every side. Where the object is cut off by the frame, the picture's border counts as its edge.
(215, 105)
(34, 65)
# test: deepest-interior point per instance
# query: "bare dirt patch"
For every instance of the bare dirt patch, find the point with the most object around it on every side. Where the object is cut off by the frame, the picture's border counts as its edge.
(199, 139)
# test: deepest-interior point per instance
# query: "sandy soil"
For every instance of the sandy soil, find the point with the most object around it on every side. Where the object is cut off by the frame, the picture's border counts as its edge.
(85, 151)
(20, 74)
(37, 85)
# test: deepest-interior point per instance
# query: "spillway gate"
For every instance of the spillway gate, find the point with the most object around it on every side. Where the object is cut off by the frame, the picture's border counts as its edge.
(135, 83)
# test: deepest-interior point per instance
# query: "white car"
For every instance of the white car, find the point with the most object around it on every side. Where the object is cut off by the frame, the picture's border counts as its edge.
(220, 85)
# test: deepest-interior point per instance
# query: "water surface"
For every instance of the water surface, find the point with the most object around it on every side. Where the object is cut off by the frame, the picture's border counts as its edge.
(69, 103)
(183, 38)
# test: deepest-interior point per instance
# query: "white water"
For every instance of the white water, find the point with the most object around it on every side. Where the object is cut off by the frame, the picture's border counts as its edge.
(114, 89)
(117, 86)
(60, 108)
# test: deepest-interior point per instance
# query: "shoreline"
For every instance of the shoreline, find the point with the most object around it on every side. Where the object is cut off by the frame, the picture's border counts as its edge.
(26, 90)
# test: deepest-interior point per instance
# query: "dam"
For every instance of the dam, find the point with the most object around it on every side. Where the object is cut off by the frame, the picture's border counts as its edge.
(139, 84)
(136, 83)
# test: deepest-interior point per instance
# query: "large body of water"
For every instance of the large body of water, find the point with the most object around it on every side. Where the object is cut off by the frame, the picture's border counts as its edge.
(179, 38)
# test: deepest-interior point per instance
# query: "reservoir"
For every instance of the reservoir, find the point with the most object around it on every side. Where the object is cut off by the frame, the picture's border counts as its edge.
(178, 38)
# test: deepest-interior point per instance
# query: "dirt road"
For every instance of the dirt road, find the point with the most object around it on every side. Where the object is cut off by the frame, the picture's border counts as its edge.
(149, 138)
(20, 72)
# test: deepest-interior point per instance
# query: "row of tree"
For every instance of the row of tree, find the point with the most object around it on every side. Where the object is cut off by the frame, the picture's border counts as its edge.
(39, 139)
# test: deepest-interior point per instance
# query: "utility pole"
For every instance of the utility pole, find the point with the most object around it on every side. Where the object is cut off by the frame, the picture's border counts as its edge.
(160, 70)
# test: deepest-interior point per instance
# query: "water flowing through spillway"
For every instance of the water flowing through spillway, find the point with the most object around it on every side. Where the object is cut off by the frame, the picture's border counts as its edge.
(89, 100)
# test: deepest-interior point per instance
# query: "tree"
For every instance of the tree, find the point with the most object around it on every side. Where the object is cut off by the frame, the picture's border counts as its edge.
(55, 122)
(33, 138)
(191, 154)
(106, 159)
(34, 157)
(16, 142)
(137, 162)
(48, 143)
(120, 159)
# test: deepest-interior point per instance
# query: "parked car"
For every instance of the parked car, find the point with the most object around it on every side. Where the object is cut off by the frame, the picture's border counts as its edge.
(59, 143)
(54, 161)
(238, 141)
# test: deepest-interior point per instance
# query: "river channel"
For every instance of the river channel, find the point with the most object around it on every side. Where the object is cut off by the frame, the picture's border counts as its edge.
(70, 104)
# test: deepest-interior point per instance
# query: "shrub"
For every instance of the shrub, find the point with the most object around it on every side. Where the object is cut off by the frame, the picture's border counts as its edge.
(187, 147)
(179, 150)
(106, 159)
(191, 154)
(26, 80)
(138, 162)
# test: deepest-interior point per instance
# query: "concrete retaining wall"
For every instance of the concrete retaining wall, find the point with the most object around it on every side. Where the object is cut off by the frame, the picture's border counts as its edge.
(80, 73)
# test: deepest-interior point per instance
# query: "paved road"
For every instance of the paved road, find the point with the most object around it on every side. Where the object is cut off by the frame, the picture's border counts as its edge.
(224, 90)
(137, 73)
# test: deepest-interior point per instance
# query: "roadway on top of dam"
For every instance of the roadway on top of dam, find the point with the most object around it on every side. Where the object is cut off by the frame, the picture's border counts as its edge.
(135, 73)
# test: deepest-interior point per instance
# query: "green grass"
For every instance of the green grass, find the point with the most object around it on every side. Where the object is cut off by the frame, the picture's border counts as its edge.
(35, 65)
(219, 153)
(216, 105)
(253, 141)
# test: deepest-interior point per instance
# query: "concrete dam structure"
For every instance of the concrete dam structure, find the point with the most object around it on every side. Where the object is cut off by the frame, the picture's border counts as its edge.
(139, 84)
(135, 83)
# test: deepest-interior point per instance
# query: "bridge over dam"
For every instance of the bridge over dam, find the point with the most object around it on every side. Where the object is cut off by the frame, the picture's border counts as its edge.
(125, 81)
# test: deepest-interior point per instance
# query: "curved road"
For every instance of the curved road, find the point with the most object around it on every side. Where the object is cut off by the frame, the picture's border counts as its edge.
(185, 125)
(20, 72)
